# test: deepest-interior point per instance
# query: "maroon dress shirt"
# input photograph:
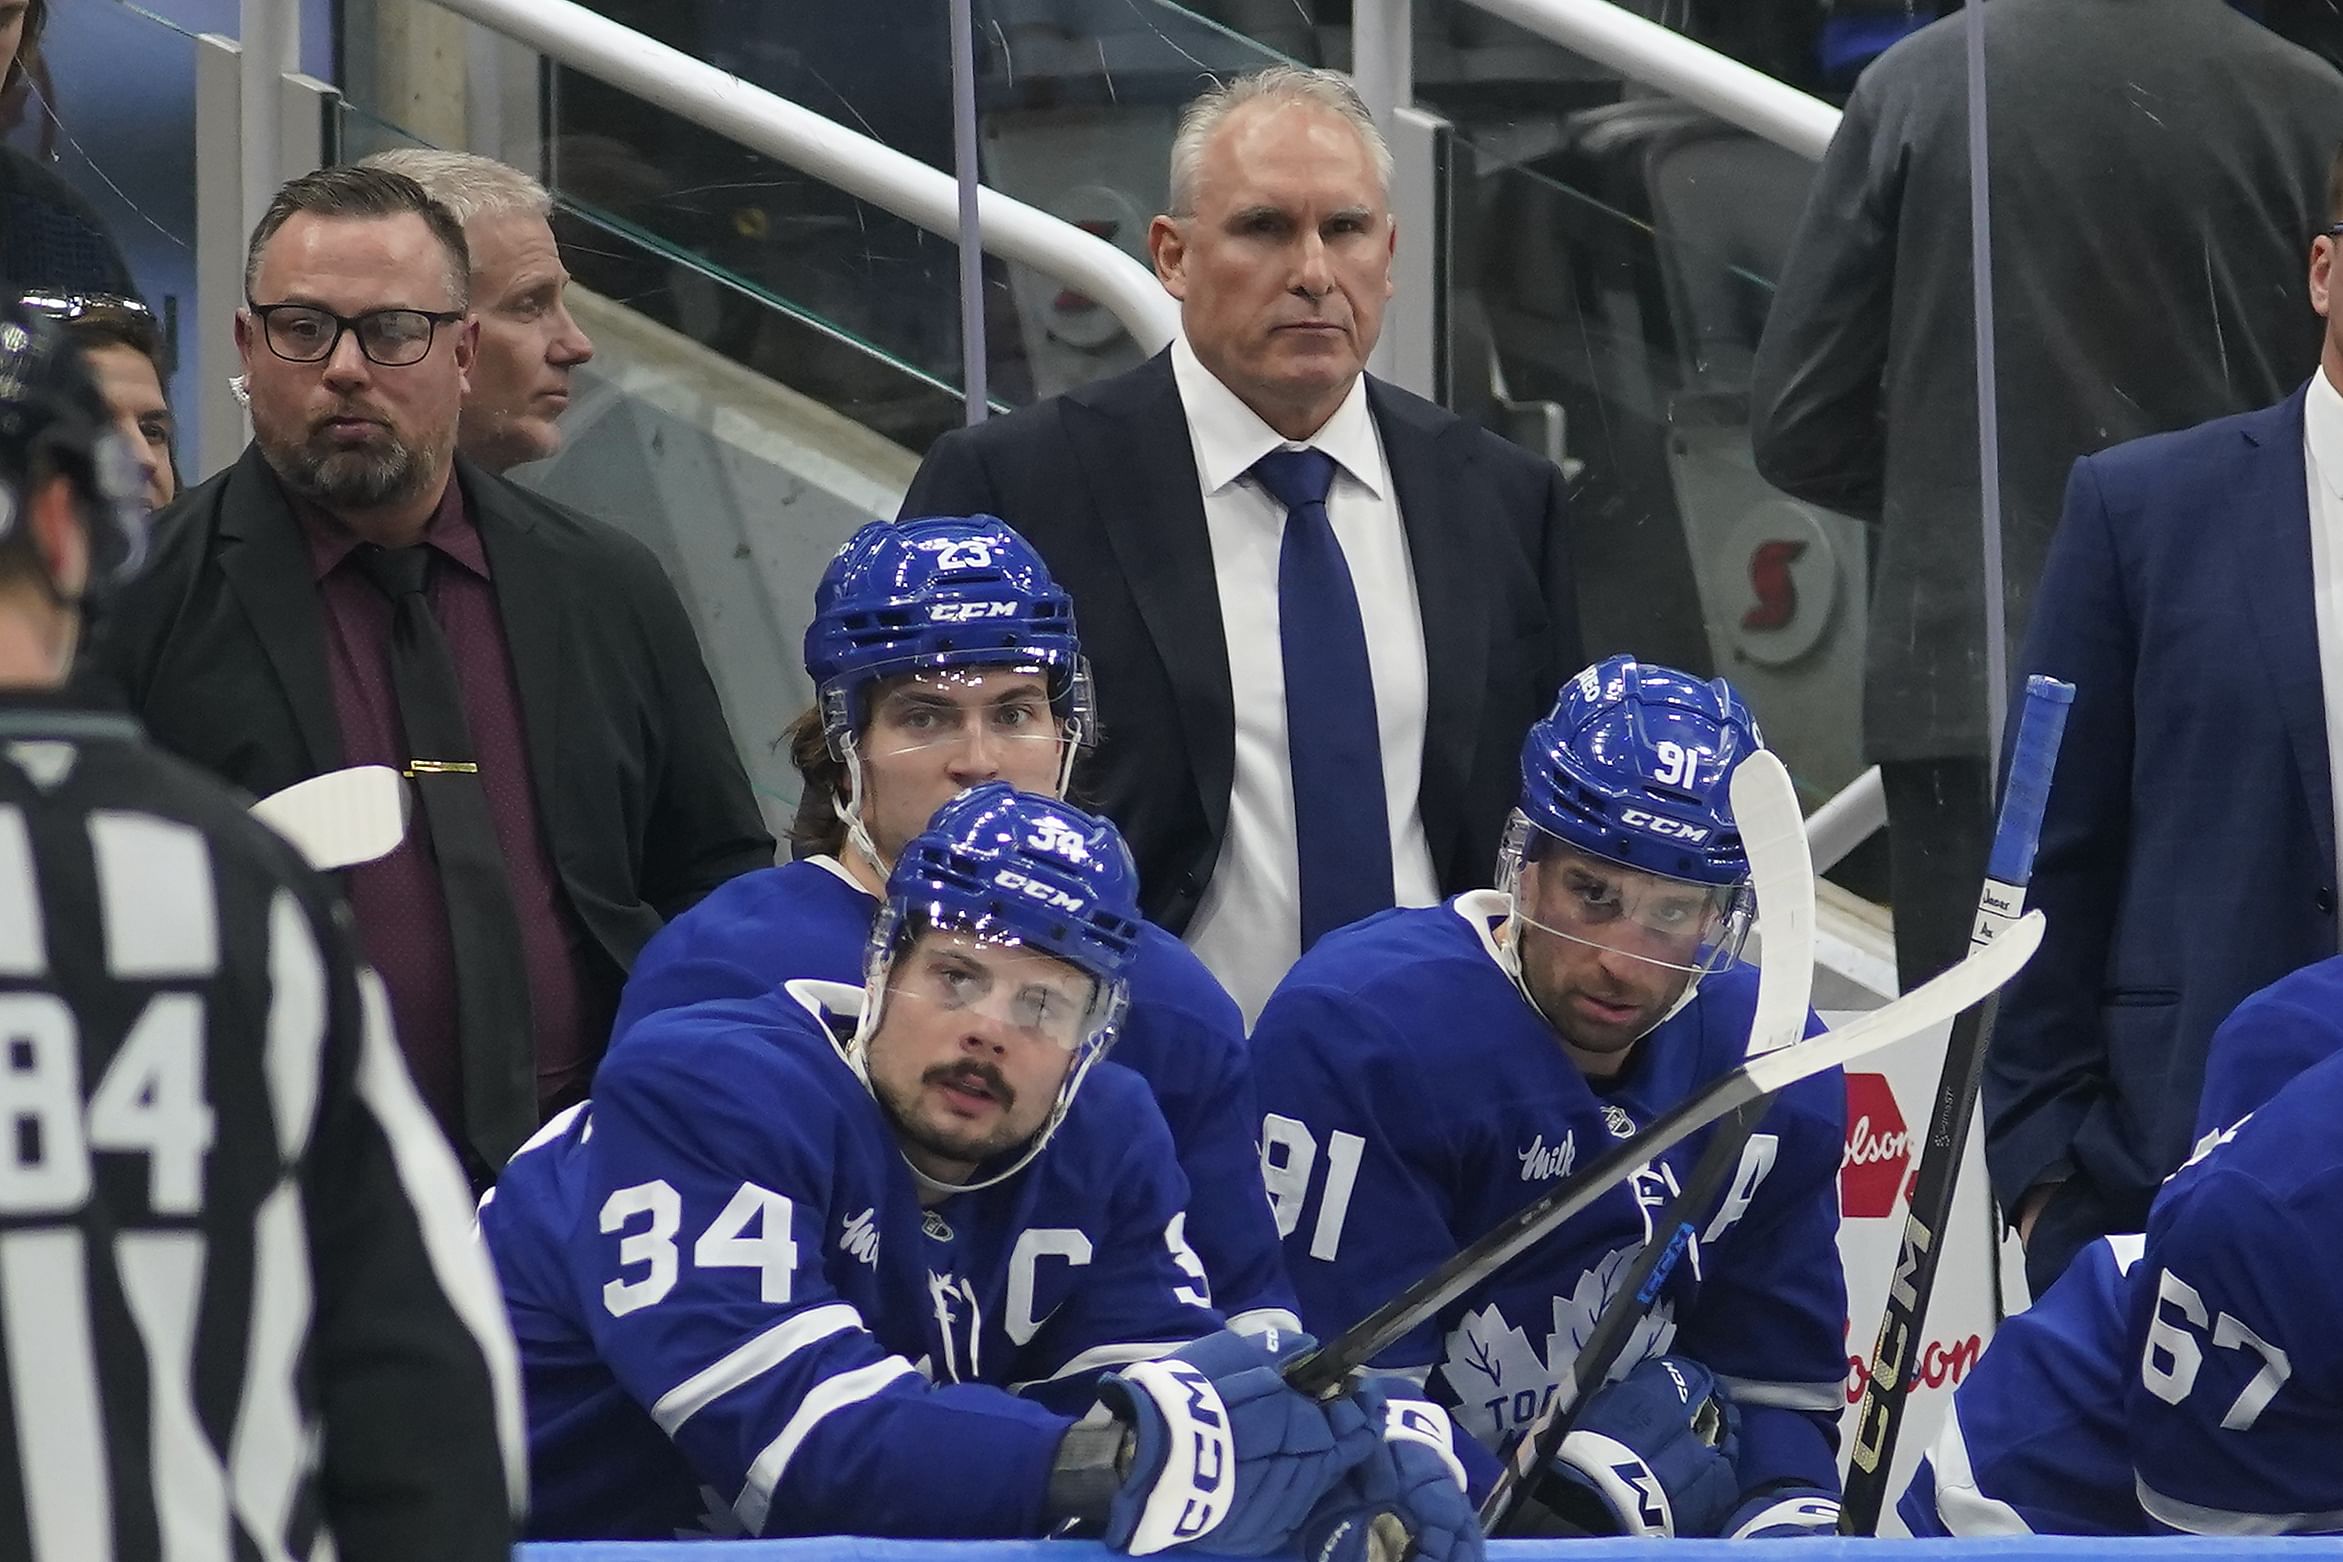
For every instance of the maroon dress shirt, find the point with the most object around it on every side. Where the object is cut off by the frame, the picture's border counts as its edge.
(402, 915)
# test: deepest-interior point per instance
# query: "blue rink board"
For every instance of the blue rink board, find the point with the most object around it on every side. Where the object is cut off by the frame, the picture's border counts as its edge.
(2056, 1548)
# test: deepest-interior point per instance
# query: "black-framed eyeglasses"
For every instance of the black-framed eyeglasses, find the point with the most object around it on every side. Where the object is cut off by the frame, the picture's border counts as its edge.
(393, 338)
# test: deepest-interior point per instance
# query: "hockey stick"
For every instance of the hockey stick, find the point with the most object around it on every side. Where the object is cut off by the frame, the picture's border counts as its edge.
(1773, 835)
(342, 818)
(2040, 725)
(1323, 1370)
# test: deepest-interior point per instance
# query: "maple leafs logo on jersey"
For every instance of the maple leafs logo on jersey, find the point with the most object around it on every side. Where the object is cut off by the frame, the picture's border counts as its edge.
(1501, 1381)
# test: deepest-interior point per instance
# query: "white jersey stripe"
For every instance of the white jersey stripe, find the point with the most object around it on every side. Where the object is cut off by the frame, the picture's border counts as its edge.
(155, 895)
(1786, 1396)
(1967, 1511)
(53, 1389)
(24, 939)
(162, 1281)
(1100, 1357)
(270, 1449)
(765, 1472)
(759, 1356)
(443, 1213)
(295, 1055)
(1262, 1320)
(2196, 1520)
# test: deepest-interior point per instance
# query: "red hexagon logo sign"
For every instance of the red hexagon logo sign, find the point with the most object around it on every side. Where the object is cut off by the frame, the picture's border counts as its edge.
(1878, 1152)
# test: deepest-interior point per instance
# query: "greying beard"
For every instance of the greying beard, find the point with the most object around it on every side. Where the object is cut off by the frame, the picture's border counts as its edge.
(358, 479)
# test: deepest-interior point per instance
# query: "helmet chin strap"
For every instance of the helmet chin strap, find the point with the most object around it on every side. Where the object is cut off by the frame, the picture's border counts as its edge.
(857, 834)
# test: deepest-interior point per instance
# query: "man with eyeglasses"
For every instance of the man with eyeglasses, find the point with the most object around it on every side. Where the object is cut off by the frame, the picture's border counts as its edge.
(123, 350)
(1427, 1073)
(354, 591)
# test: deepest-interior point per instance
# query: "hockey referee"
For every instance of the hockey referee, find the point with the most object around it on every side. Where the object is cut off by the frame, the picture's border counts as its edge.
(242, 1315)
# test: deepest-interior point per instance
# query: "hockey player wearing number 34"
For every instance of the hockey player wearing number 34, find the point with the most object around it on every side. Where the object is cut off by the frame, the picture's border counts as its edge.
(839, 1260)
(1426, 1073)
(2189, 1379)
(943, 655)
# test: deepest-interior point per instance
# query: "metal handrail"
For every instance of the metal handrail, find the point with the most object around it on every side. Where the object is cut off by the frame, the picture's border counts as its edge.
(1645, 51)
(866, 169)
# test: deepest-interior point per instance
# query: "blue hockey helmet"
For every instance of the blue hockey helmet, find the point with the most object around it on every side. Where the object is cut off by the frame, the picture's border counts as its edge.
(935, 594)
(1635, 762)
(1626, 817)
(1029, 872)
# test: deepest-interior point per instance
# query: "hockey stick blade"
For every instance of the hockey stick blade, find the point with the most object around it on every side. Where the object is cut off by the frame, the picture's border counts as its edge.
(1772, 828)
(341, 818)
(1895, 1351)
(1323, 1370)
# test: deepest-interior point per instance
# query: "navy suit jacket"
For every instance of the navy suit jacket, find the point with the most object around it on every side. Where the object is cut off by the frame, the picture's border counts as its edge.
(2188, 854)
(1103, 481)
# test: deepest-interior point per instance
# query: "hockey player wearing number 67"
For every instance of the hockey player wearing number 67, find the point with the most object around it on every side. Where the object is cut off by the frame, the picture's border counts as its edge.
(1426, 1073)
(839, 1260)
(2187, 1380)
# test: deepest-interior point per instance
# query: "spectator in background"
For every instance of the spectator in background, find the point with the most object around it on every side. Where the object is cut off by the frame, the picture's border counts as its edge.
(2194, 597)
(1322, 612)
(2156, 167)
(123, 350)
(355, 591)
(528, 342)
(50, 239)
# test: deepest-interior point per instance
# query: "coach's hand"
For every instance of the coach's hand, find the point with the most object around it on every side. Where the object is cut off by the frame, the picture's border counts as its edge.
(1222, 1452)
(1407, 1498)
(1655, 1451)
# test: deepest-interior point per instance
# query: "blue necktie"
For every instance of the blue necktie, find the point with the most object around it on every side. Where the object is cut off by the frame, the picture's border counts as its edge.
(1342, 830)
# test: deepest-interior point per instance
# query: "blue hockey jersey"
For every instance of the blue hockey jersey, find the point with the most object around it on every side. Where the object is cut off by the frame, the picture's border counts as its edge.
(2190, 1380)
(1412, 1100)
(2269, 1039)
(735, 1317)
(1183, 1035)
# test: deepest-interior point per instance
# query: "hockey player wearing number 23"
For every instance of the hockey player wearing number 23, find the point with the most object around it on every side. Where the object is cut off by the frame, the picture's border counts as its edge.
(833, 1260)
(1426, 1073)
(2188, 1379)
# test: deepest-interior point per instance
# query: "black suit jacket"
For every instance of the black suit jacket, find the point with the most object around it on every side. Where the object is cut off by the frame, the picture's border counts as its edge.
(218, 647)
(2158, 169)
(1103, 481)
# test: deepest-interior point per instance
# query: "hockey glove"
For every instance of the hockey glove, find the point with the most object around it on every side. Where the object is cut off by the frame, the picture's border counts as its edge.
(1785, 1513)
(1410, 1491)
(1654, 1453)
(1222, 1452)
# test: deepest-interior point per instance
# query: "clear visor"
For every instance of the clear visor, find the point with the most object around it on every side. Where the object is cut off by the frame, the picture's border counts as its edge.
(1001, 708)
(976, 974)
(1572, 894)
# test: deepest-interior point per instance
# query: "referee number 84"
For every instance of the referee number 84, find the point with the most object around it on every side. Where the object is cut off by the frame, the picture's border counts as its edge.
(149, 1102)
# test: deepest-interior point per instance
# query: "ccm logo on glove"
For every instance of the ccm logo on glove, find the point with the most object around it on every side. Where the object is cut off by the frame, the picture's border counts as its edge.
(1199, 1455)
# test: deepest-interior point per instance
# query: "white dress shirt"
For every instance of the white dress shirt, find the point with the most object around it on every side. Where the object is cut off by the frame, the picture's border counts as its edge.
(2322, 459)
(1247, 929)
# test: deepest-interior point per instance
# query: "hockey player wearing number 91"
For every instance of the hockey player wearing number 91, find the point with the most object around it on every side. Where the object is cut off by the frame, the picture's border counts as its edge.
(2187, 1380)
(943, 655)
(1426, 1073)
(839, 1260)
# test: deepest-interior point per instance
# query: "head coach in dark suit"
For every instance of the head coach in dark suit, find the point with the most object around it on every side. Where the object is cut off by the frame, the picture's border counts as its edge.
(1321, 612)
(352, 591)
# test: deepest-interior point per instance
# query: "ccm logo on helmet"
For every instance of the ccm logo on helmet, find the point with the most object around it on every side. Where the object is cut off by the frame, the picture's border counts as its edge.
(965, 612)
(1033, 889)
(1659, 826)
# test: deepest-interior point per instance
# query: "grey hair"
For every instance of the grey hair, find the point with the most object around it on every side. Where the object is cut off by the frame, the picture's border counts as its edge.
(467, 184)
(348, 190)
(1282, 84)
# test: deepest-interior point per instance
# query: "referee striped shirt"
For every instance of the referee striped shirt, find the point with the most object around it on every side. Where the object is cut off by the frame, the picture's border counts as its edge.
(243, 1317)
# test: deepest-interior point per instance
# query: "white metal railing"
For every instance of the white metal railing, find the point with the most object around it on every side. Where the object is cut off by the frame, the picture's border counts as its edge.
(866, 169)
(1637, 48)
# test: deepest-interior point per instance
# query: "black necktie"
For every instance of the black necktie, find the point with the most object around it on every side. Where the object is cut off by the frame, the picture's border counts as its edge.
(495, 1037)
